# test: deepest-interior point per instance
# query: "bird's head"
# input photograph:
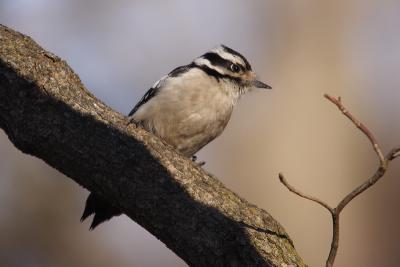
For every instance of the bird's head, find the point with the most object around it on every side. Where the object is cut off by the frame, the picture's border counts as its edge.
(224, 63)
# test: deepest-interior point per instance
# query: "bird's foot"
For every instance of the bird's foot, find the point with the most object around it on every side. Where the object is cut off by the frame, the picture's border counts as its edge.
(200, 163)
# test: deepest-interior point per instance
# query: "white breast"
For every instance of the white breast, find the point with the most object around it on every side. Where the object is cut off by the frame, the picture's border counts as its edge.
(188, 111)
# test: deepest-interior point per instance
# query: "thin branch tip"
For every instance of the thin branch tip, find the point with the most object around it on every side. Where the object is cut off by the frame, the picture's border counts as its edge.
(393, 154)
(301, 194)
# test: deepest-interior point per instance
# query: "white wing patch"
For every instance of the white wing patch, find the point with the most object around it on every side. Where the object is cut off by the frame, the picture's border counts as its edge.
(149, 94)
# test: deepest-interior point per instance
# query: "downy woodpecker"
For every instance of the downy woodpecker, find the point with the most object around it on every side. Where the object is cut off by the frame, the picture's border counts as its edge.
(188, 108)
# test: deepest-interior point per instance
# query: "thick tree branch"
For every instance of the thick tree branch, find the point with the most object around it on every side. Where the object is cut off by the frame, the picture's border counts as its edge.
(46, 112)
(382, 168)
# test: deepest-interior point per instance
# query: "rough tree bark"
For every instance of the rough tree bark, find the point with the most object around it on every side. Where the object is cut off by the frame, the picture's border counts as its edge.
(47, 112)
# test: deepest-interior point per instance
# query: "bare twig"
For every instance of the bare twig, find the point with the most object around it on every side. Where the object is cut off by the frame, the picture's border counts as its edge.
(362, 127)
(383, 165)
(297, 192)
(394, 153)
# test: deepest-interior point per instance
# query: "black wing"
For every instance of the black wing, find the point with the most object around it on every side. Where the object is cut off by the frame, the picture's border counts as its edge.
(154, 90)
(180, 70)
(150, 93)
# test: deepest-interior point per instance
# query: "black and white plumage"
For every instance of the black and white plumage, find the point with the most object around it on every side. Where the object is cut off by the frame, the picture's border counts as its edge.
(188, 108)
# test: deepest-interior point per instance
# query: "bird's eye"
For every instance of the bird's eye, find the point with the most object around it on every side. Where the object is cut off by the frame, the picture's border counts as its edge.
(235, 68)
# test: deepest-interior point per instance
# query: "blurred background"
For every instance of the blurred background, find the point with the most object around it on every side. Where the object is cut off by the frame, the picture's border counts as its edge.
(302, 48)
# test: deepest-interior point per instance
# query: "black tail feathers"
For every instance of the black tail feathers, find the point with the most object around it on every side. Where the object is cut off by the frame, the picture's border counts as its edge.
(101, 209)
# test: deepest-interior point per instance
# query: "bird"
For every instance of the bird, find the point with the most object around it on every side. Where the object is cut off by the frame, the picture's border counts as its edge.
(188, 108)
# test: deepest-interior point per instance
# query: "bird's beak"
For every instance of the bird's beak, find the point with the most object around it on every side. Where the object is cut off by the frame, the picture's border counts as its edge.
(258, 84)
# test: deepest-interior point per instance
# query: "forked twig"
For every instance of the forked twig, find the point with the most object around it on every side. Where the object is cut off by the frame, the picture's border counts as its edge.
(297, 192)
(335, 212)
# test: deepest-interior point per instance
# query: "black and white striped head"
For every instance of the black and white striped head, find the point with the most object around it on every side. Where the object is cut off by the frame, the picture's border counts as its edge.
(224, 63)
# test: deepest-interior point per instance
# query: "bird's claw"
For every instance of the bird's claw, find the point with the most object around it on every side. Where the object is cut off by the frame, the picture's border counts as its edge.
(194, 159)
